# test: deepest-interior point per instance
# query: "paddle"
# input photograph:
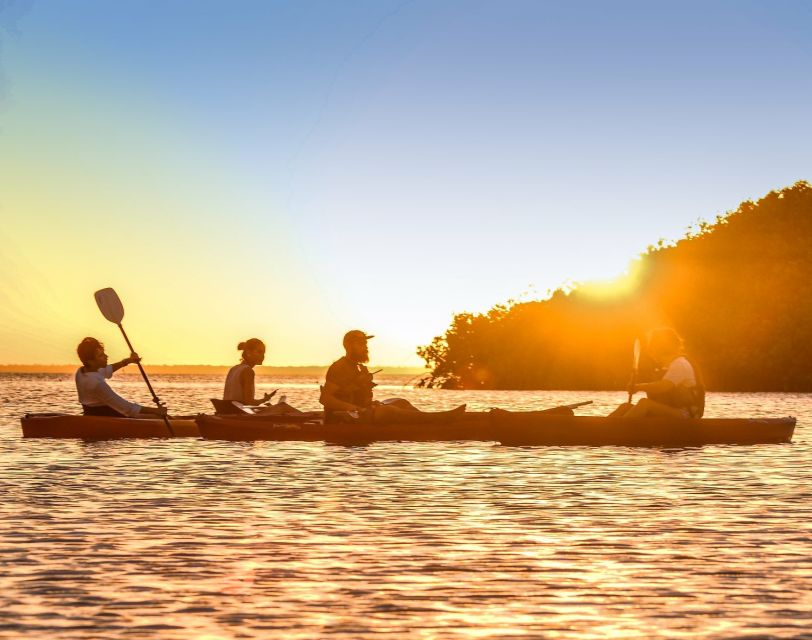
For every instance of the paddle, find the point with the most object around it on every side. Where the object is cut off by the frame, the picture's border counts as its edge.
(635, 365)
(111, 308)
(270, 397)
(574, 405)
(566, 407)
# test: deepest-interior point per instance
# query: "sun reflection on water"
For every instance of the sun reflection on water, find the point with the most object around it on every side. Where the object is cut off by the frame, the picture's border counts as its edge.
(185, 538)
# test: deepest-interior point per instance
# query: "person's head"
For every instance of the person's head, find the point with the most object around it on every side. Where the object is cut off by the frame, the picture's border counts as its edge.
(253, 351)
(355, 344)
(664, 344)
(91, 353)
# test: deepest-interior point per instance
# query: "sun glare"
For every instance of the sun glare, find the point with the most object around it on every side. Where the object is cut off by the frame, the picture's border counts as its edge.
(620, 286)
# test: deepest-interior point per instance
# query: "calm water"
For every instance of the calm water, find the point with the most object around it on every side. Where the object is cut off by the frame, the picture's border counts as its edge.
(195, 539)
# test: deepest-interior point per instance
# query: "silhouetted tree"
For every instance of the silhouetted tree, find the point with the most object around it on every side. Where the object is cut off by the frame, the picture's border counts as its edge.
(739, 290)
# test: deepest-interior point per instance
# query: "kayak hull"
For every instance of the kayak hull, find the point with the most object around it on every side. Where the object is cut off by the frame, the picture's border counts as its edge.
(475, 426)
(646, 432)
(514, 429)
(104, 428)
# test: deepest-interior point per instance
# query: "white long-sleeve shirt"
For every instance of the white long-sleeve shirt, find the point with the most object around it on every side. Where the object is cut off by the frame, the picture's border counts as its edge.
(95, 392)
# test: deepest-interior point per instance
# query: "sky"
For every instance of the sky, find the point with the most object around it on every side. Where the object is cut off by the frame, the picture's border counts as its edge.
(293, 170)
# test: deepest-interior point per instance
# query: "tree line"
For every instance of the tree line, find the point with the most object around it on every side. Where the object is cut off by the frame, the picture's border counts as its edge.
(739, 291)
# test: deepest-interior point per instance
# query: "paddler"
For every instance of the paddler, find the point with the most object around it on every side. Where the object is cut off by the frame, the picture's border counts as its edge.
(95, 395)
(679, 393)
(347, 392)
(240, 378)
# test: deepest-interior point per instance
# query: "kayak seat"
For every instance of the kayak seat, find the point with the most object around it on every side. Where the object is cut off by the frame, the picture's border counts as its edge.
(225, 407)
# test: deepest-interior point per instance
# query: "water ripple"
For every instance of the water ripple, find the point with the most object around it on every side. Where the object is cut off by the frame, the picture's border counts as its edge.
(187, 538)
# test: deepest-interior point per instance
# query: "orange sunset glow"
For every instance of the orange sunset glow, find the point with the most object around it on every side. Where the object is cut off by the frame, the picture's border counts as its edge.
(401, 320)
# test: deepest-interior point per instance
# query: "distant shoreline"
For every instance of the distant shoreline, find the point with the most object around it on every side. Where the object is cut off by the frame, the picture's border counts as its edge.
(195, 369)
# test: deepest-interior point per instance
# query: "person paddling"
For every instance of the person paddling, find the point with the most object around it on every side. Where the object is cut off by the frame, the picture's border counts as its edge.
(240, 378)
(679, 393)
(95, 395)
(347, 392)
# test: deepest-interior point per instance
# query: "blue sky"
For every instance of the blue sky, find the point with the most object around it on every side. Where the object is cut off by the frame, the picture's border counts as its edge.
(296, 169)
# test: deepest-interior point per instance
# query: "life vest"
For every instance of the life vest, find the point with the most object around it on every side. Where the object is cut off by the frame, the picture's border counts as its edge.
(685, 397)
(354, 382)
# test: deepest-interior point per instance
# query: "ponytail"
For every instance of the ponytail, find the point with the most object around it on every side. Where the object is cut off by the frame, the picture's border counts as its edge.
(251, 343)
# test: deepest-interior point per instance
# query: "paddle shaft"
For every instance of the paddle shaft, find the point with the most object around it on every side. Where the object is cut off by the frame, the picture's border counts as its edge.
(567, 407)
(635, 367)
(146, 379)
(574, 405)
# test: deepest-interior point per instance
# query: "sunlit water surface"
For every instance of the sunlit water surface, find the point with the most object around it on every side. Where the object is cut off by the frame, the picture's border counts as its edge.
(188, 538)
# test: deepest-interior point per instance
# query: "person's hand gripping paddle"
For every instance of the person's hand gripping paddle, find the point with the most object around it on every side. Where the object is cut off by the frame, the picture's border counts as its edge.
(112, 309)
(635, 367)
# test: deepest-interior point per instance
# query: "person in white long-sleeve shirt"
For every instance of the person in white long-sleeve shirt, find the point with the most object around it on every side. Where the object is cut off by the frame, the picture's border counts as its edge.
(95, 395)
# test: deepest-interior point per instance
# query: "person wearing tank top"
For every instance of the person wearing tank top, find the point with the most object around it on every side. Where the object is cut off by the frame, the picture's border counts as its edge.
(676, 394)
(240, 378)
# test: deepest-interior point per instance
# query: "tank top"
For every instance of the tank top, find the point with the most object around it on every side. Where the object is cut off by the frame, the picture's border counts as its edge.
(233, 389)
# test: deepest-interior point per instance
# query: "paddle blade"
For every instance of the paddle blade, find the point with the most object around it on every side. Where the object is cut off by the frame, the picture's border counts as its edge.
(636, 360)
(110, 305)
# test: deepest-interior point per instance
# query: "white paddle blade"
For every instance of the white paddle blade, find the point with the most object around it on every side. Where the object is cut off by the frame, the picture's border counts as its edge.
(636, 361)
(110, 305)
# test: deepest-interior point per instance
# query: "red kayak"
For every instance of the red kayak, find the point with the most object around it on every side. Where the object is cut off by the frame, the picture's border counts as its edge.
(61, 425)
(520, 429)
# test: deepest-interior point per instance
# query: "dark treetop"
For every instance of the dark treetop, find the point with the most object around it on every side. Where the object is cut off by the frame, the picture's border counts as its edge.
(739, 290)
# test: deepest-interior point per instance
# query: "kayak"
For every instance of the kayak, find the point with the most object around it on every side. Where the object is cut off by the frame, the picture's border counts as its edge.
(533, 428)
(474, 426)
(524, 430)
(62, 425)
(507, 428)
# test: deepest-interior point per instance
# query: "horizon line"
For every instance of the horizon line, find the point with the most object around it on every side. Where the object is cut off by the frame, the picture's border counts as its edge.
(59, 368)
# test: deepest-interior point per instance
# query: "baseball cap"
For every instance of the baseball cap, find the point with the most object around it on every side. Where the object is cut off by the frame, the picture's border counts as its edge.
(355, 334)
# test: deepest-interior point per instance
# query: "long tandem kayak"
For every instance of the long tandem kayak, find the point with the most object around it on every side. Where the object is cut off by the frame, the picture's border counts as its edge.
(61, 425)
(519, 429)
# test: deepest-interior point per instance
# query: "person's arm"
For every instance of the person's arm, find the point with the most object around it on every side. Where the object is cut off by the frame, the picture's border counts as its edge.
(330, 402)
(248, 388)
(678, 372)
(134, 357)
(106, 395)
(661, 386)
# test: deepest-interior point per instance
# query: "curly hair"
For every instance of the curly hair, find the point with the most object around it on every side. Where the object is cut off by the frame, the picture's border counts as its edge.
(87, 349)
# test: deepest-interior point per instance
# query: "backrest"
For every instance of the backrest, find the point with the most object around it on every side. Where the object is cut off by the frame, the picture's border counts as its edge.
(698, 390)
(224, 407)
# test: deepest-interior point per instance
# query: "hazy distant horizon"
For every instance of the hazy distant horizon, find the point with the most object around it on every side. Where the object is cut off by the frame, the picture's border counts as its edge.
(199, 369)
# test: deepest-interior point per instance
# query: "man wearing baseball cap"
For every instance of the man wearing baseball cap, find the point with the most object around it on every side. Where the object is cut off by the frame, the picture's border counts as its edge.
(347, 391)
